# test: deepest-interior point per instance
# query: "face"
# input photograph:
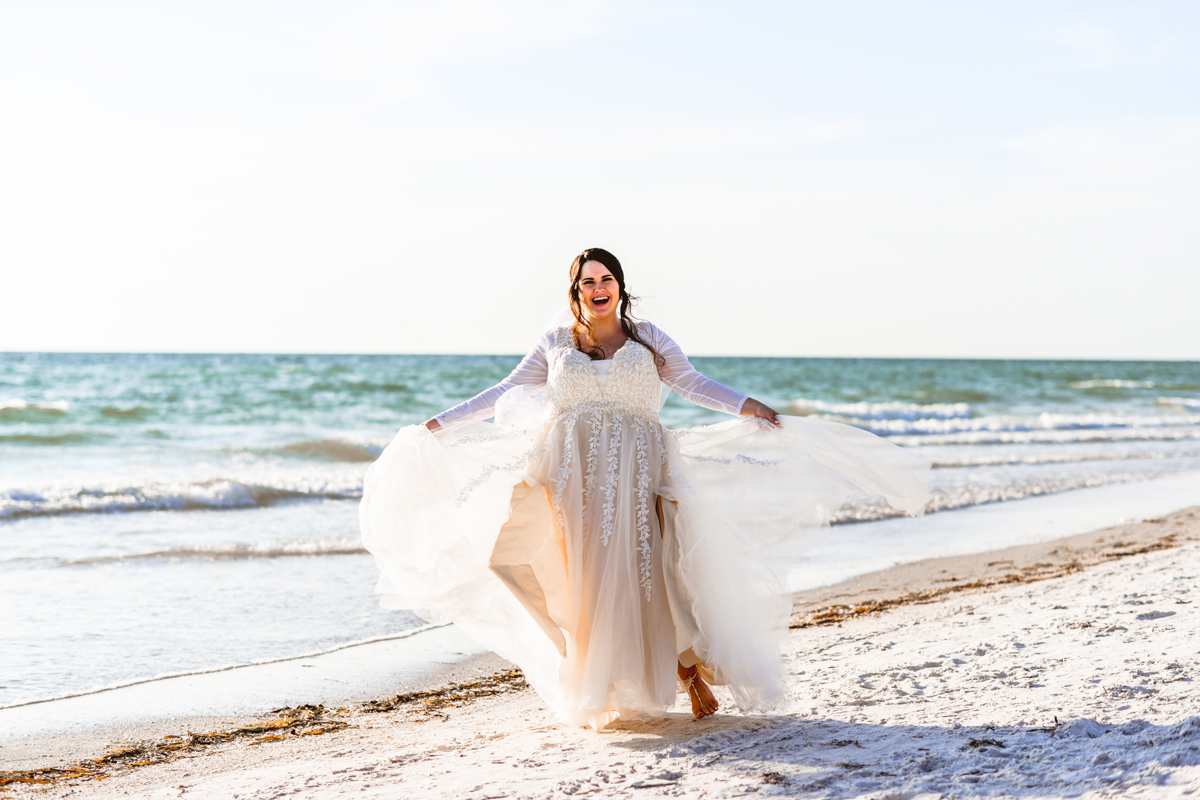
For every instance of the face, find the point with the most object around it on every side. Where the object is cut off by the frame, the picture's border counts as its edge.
(599, 294)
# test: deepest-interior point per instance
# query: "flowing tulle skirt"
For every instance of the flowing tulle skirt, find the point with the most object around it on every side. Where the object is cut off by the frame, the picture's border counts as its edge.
(596, 549)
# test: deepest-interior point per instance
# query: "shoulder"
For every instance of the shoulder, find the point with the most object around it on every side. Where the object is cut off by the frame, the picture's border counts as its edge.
(647, 328)
(557, 337)
(652, 333)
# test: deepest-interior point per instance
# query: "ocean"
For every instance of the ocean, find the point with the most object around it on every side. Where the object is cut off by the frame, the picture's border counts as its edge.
(168, 513)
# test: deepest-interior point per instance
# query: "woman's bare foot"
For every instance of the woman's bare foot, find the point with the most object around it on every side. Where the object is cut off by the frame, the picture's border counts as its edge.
(704, 703)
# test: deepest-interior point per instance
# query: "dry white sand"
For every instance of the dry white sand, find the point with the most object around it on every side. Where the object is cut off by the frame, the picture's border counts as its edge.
(1083, 685)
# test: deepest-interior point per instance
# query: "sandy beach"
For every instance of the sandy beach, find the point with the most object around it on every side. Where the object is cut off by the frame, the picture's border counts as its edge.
(1055, 670)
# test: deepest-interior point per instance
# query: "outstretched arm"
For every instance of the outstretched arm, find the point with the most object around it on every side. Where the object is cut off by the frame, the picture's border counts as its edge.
(685, 380)
(531, 371)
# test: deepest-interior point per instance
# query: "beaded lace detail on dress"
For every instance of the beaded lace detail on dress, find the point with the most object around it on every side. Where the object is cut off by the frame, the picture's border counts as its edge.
(633, 382)
(631, 399)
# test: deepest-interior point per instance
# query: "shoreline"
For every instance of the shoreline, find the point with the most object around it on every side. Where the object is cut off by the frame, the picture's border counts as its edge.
(230, 667)
(936, 579)
(901, 587)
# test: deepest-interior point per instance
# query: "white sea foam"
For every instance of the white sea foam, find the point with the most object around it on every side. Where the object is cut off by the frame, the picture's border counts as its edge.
(18, 410)
(897, 418)
(1016, 423)
(979, 494)
(881, 411)
(982, 437)
(1058, 458)
(208, 494)
(1046, 421)
(1179, 402)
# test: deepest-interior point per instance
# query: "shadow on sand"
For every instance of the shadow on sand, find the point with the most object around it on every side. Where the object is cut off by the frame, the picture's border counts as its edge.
(804, 757)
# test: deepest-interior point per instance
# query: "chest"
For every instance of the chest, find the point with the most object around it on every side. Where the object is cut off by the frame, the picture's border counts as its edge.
(632, 379)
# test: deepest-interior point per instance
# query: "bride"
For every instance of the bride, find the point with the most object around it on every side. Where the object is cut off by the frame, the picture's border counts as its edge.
(613, 560)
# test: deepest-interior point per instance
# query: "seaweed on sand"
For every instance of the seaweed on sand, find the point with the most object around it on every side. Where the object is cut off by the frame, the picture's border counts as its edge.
(837, 613)
(285, 723)
(430, 703)
(304, 720)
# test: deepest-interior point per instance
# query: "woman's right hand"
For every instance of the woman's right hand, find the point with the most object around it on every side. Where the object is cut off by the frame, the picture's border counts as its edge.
(432, 424)
(753, 408)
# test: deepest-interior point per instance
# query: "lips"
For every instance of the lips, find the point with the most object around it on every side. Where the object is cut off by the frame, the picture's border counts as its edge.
(600, 301)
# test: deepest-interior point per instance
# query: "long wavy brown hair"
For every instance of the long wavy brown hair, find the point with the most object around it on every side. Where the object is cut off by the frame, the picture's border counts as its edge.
(585, 338)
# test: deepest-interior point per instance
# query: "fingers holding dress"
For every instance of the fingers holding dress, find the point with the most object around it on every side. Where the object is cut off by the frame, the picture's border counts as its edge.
(753, 408)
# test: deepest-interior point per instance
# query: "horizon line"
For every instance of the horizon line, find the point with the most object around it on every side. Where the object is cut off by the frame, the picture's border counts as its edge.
(1159, 359)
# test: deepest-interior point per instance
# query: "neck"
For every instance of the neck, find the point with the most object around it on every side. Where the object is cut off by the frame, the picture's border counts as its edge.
(606, 326)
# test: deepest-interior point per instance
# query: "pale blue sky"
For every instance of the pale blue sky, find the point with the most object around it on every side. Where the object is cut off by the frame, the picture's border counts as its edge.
(795, 178)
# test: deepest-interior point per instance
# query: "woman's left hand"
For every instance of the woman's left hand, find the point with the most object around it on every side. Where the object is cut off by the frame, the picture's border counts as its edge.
(753, 408)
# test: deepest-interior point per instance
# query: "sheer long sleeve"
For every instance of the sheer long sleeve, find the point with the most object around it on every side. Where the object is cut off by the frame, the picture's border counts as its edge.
(531, 371)
(679, 374)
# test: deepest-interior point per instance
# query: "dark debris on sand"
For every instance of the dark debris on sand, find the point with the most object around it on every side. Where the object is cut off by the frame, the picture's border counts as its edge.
(306, 720)
(429, 704)
(835, 614)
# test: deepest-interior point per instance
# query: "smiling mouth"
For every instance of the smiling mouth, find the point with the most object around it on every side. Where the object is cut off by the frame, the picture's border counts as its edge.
(600, 301)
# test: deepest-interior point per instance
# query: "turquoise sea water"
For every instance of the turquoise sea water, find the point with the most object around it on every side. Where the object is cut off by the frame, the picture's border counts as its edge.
(164, 513)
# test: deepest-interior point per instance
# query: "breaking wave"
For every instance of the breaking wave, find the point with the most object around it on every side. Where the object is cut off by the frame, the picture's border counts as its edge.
(211, 494)
(1087, 421)
(961, 497)
(940, 422)
(1056, 458)
(1180, 403)
(880, 411)
(1053, 436)
(21, 411)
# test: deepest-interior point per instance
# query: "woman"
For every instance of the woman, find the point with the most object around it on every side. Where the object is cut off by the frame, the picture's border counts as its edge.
(606, 556)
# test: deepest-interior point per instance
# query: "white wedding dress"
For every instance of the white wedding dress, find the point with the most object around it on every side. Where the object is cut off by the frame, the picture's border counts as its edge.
(578, 538)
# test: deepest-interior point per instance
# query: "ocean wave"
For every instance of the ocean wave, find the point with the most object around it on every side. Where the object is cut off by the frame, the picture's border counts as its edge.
(363, 387)
(1112, 384)
(961, 497)
(1007, 423)
(880, 411)
(1057, 458)
(1080, 436)
(1179, 402)
(334, 450)
(211, 494)
(46, 438)
(137, 412)
(22, 411)
(232, 551)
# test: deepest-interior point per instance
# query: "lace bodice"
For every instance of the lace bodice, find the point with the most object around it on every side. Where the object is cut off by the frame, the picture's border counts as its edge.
(633, 381)
(632, 385)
